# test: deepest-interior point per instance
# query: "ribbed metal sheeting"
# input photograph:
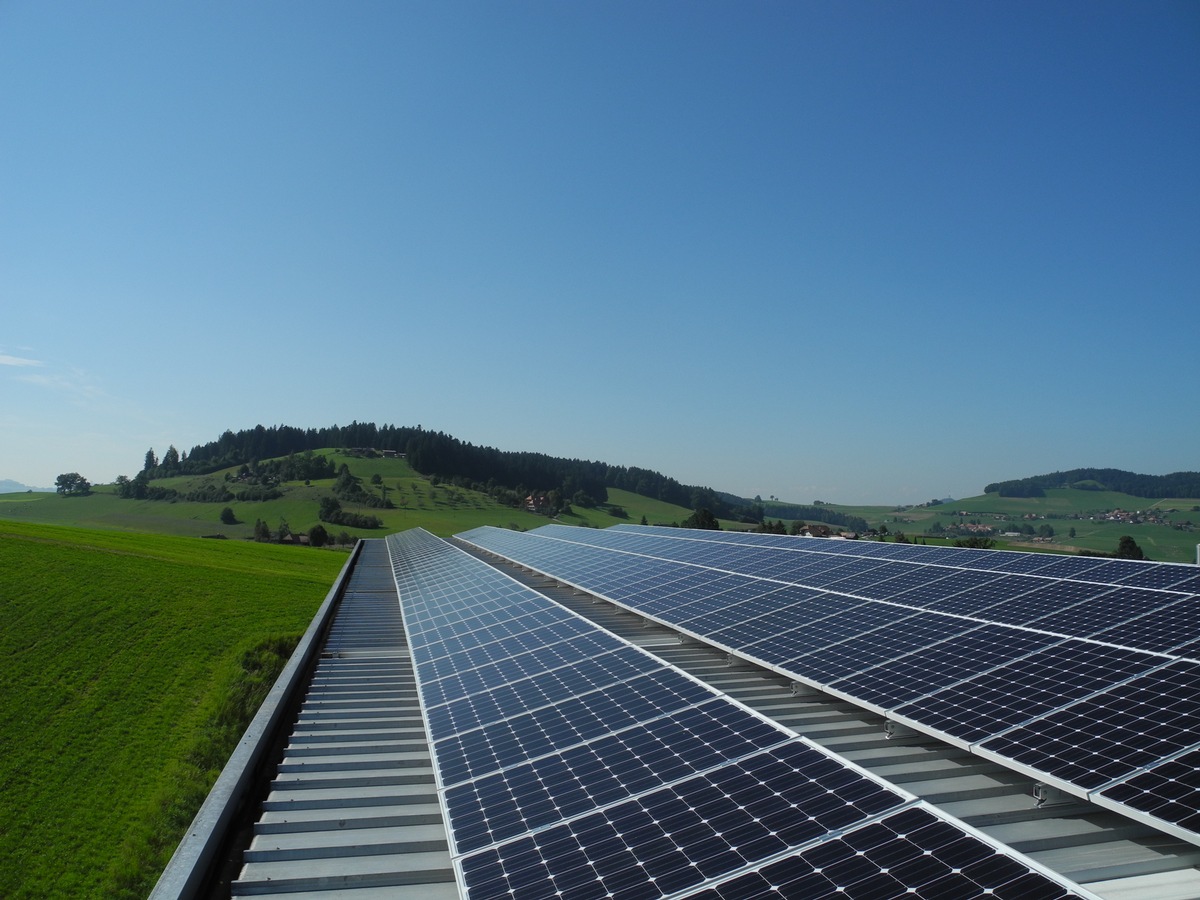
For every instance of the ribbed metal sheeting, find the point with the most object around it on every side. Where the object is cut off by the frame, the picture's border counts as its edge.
(574, 764)
(1082, 673)
(353, 811)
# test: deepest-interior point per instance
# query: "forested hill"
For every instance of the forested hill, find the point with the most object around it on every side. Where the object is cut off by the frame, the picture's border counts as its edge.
(435, 453)
(1177, 484)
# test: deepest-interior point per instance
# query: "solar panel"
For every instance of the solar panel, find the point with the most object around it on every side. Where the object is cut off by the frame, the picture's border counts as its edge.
(987, 592)
(588, 775)
(1168, 791)
(1173, 628)
(611, 667)
(1107, 608)
(1136, 573)
(739, 600)
(1012, 645)
(679, 837)
(927, 588)
(1018, 691)
(810, 636)
(498, 702)
(872, 648)
(496, 743)
(1107, 736)
(697, 593)
(587, 767)
(908, 853)
(938, 665)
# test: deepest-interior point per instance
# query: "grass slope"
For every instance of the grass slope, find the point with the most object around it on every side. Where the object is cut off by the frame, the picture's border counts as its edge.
(1062, 509)
(445, 510)
(442, 509)
(119, 655)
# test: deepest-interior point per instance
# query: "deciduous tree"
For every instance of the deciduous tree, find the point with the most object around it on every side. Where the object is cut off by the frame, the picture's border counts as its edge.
(72, 484)
(701, 518)
(1127, 548)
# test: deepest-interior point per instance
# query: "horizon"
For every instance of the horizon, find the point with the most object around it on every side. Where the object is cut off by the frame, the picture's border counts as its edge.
(24, 488)
(854, 253)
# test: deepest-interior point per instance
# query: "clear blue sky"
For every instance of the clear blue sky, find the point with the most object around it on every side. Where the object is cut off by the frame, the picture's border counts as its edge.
(857, 252)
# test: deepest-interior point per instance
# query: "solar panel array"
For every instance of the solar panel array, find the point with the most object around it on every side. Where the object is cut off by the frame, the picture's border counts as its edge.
(1082, 672)
(573, 763)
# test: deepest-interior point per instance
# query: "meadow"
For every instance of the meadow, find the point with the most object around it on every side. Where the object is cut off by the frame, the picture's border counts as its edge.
(1062, 510)
(442, 509)
(131, 664)
(445, 509)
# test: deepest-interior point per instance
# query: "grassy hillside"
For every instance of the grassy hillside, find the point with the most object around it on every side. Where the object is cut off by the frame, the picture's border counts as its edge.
(445, 510)
(1062, 510)
(442, 509)
(128, 666)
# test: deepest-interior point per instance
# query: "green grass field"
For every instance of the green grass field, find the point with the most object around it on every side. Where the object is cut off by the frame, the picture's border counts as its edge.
(442, 509)
(128, 662)
(1062, 510)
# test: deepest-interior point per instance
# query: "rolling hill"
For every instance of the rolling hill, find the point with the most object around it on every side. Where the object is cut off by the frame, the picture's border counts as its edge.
(1074, 511)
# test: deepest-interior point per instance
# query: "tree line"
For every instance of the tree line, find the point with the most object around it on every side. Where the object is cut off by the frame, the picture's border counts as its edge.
(1177, 484)
(440, 455)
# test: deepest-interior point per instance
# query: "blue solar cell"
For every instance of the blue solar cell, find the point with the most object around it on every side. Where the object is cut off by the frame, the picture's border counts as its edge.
(609, 668)
(873, 648)
(493, 648)
(1019, 563)
(1169, 791)
(679, 837)
(969, 558)
(1173, 628)
(930, 586)
(735, 606)
(1032, 606)
(530, 662)
(579, 719)
(701, 592)
(1014, 693)
(653, 690)
(1189, 650)
(789, 637)
(939, 665)
(1076, 567)
(1189, 585)
(495, 625)
(837, 570)
(1107, 736)
(1108, 608)
(607, 770)
(679, 594)
(859, 583)
(985, 595)
(908, 854)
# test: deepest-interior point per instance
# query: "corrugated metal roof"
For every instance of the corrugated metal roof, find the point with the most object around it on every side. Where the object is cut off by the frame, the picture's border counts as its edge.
(352, 807)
